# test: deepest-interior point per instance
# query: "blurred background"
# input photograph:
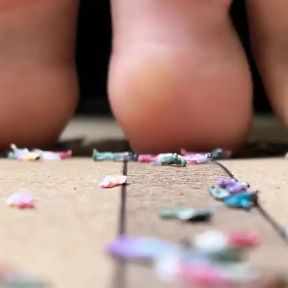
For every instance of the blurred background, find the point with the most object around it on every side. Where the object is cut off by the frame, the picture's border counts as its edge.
(94, 47)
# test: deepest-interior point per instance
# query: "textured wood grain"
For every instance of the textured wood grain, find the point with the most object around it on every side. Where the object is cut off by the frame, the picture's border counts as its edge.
(270, 176)
(154, 187)
(61, 240)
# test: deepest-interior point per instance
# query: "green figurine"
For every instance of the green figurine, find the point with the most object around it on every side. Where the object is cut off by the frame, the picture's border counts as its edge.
(112, 156)
(172, 159)
(218, 193)
(185, 214)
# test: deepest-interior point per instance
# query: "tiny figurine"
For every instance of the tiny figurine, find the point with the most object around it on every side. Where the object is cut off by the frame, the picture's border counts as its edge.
(111, 181)
(20, 200)
(112, 156)
(186, 214)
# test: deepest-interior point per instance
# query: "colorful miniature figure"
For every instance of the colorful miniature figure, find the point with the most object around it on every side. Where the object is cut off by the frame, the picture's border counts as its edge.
(36, 154)
(171, 159)
(20, 200)
(214, 258)
(195, 158)
(243, 200)
(111, 181)
(186, 214)
(137, 248)
(233, 193)
(112, 156)
(147, 158)
(218, 193)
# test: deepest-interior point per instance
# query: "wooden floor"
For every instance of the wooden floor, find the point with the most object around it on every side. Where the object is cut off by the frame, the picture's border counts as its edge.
(63, 239)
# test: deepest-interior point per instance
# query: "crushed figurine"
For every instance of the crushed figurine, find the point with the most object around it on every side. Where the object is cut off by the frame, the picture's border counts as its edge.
(213, 259)
(25, 154)
(111, 181)
(21, 200)
(233, 193)
(186, 214)
(113, 156)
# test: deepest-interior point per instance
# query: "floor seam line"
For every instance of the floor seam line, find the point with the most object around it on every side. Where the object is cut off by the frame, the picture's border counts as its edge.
(265, 215)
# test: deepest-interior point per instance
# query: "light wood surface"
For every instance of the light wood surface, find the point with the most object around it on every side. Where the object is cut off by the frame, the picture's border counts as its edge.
(270, 176)
(61, 240)
(154, 187)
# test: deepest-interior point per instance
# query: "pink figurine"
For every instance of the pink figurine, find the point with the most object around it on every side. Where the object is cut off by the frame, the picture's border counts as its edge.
(184, 152)
(243, 239)
(64, 154)
(195, 158)
(110, 181)
(37, 154)
(20, 200)
(203, 275)
(50, 155)
(147, 158)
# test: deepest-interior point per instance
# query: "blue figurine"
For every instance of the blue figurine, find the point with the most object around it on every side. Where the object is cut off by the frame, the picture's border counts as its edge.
(243, 200)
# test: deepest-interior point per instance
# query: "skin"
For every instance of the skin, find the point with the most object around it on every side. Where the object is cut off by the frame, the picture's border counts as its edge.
(178, 75)
(269, 34)
(38, 86)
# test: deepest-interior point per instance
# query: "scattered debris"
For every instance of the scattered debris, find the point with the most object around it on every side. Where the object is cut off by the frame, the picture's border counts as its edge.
(233, 193)
(163, 159)
(139, 249)
(214, 259)
(244, 200)
(23, 154)
(113, 156)
(11, 278)
(171, 159)
(219, 153)
(211, 242)
(201, 158)
(111, 181)
(185, 157)
(195, 158)
(225, 182)
(36, 154)
(214, 241)
(218, 193)
(23, 281)
(243, 239)
(21, 200)
(50, 155)
(147, 158)
(186, 214)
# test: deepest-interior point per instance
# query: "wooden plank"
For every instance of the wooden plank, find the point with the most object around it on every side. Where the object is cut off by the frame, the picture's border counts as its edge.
(270, 176)
(61, 240)
(152, 187)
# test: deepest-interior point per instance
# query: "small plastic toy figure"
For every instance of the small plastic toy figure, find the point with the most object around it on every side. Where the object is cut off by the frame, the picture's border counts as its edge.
(147, 158)
(112, 156)
(110, 181)
(244, 200)
(218, 193)
(185, 214)
(36, 154)
(20, 200)
(195, 158)
(171, 159)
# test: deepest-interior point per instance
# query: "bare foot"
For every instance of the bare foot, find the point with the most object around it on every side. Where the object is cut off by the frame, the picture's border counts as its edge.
(38, 87)
(269, 32)
(178, 75)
